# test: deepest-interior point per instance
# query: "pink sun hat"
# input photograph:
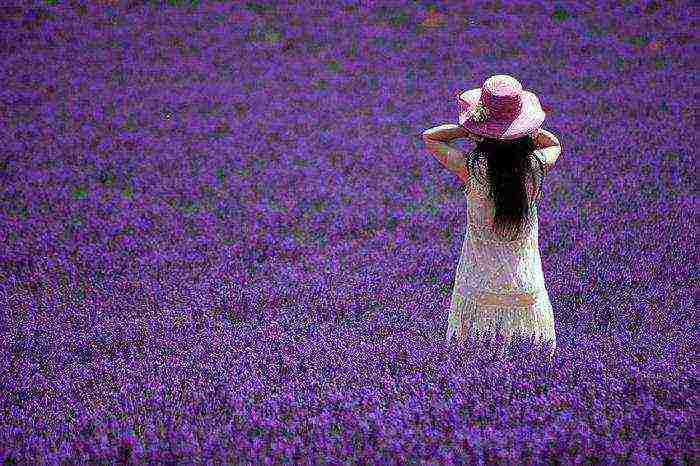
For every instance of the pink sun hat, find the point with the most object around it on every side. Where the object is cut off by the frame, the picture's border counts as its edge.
(500, 109)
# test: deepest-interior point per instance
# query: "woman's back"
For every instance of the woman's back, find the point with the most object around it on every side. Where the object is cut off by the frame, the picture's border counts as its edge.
(481, 205)
(497, 280)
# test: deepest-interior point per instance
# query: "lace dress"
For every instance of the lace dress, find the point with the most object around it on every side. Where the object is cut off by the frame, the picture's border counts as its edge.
(498, 282)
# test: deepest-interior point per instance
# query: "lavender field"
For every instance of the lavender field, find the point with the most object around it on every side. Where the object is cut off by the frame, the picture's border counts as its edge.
(222, 240)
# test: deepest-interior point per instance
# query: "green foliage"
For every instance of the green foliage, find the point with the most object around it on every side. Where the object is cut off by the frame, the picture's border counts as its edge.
(258, 8)
(336, 430)
(620, 65)
(76, 221)
(221, 174)
(660, 63)
(313, 46)
(379, 41)
(320, 84)
(119, 77)
(673, 156)
(447, 234)
(80, 193)
(398, 45)
(23, 212)
(399, 19)
(131, 124)
(432, 209)
(591, 83)
(334, 66)
(560, 14)
(190, 208)
(595, 31)
(272, 37)
(107, 178)
(639, 40)
(176, 3)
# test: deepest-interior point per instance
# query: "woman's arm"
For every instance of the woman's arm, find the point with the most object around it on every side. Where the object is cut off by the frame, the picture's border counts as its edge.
(437, 140)
(446, 133)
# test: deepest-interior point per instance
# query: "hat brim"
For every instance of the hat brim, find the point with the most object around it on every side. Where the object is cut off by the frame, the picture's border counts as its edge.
(530, 118)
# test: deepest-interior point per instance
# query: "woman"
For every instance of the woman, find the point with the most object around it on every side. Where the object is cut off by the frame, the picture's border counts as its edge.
(499, 284)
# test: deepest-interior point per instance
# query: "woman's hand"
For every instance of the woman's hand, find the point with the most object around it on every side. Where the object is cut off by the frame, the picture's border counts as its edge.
(544, 139)
(472, 136)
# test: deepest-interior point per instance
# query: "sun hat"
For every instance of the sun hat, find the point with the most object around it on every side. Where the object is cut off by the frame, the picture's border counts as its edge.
(500, 109)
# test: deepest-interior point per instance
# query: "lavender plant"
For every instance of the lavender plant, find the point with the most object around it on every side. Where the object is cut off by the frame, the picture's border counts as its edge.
(222, 238)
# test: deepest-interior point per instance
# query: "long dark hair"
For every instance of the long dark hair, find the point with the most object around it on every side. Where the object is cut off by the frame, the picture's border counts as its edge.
(509, 163)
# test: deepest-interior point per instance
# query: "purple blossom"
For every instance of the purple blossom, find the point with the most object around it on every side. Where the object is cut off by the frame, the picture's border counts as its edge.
(219, 239)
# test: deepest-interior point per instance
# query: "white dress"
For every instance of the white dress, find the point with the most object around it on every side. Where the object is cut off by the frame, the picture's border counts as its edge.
(498, 282)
